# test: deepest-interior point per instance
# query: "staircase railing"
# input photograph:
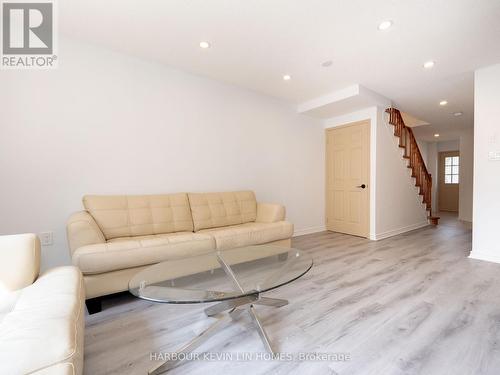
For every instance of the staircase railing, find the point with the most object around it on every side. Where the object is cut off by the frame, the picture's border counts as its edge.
(407, 141)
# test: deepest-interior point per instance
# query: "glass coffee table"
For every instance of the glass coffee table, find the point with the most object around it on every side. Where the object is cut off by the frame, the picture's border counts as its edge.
(234, 279)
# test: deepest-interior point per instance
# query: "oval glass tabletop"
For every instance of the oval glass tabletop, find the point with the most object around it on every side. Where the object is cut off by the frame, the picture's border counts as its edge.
(220, 275)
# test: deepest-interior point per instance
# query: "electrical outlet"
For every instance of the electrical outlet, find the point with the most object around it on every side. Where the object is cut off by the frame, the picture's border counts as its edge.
(46, 238)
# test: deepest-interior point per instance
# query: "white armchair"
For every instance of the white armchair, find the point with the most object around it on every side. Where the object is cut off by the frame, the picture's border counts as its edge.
(41, 316)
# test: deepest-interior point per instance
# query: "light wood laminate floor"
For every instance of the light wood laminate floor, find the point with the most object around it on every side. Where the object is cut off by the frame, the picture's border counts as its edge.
(410, 304)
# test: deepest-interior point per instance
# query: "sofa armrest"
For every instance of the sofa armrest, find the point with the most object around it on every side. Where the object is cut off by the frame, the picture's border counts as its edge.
(82, 230)
(19, 261)
(270, 213)
(47, 324)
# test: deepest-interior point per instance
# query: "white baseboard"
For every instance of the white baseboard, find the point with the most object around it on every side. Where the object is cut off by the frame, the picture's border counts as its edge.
(395, 232)
(484, 256)
(310, 230)
(378, 236)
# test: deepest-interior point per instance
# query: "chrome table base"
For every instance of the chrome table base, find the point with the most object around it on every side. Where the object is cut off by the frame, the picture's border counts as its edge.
(226, 312)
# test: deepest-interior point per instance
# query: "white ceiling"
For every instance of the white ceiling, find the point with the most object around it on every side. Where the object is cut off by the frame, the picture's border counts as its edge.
(254, 43)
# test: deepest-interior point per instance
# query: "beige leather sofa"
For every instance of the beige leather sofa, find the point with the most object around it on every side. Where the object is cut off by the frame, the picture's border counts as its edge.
(117, 236)
(41, 316)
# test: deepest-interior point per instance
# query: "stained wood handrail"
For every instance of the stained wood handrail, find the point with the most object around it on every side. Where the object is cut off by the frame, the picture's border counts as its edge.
(407, 141)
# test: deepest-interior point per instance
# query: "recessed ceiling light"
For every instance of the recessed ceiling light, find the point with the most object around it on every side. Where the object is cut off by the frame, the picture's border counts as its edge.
(385, 25)
(429, 64)
(327, 64)
(204, 45)
(456, 114)
(436, 135)
(443, 102)
(287, 77)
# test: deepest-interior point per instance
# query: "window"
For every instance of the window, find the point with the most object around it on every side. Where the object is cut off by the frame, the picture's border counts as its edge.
(451, 166)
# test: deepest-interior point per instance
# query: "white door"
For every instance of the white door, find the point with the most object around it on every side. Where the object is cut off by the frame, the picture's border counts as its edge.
(347, 178)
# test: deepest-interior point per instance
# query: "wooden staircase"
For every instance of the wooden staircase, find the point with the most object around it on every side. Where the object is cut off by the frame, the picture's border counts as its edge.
(407, 141)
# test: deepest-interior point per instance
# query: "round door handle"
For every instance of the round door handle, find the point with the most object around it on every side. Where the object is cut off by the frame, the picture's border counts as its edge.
(362, 186)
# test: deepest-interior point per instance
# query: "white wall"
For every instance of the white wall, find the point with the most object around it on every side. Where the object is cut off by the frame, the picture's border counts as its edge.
(432, 168)
(424, 150)
(395, 206)
(486, 218)
(466, 175)
(106, 123)
(448, 146)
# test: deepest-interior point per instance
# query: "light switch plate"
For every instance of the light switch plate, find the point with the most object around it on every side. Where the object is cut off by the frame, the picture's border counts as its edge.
(46, 238)
(494, 155)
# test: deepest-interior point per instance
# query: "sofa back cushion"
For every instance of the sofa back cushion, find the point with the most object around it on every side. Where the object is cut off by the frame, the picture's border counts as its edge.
(212, 210)
(139, 215)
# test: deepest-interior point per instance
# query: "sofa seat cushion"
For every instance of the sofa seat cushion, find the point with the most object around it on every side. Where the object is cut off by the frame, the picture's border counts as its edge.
(8, 302)
(45, 327)
(249, 234)
(128, 252)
